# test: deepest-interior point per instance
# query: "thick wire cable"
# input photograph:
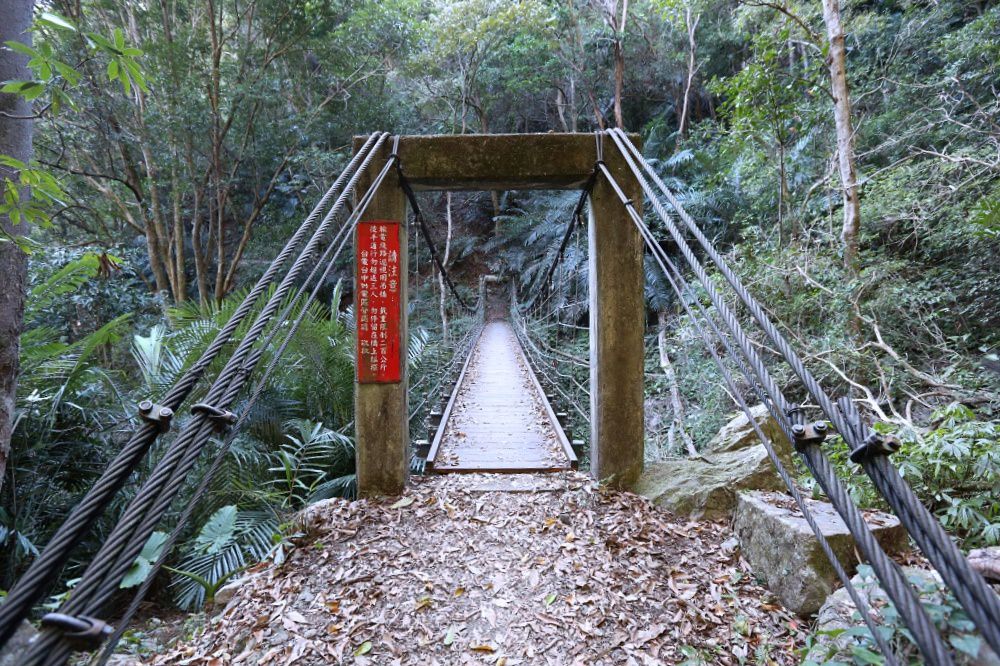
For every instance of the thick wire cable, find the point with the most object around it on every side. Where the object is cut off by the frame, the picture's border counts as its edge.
(888, 572)
(425, 231)
(100, 581)
(680, 287)
(972, 592)
(182, 522)
(34, 583)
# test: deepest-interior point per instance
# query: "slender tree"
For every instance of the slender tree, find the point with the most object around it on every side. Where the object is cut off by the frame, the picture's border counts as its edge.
(837, 59)
(15, 141)
(617, 22)
(691, 25)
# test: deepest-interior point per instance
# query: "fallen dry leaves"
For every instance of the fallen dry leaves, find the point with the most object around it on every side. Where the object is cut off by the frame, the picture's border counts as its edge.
(466, 572)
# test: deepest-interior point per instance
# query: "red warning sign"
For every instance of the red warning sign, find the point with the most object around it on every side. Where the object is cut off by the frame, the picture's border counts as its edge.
(377, 301)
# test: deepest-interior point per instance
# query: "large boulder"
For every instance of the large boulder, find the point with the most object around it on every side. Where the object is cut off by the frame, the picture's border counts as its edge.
(838, 615)
(706, 487)
(781, 548)
(987, 562)
(740, 434)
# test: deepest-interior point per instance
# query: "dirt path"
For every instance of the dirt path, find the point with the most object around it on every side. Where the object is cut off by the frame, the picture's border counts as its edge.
(498, 422)
(503, 570)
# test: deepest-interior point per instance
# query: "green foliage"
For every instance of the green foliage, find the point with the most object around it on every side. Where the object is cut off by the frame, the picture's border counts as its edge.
(218, 552)
(986, 216)
(299, 467)
(44, 191)
(954, 468)
(143, 564)
(31, 191)
(856, 646)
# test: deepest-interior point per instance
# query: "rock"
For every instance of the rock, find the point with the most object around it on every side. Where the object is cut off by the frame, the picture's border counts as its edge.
(987, 562)
(838, 614)
(782, 549)
(226, 593)
(730, 546)
(706, 487)
(739, 434)
(10, 652)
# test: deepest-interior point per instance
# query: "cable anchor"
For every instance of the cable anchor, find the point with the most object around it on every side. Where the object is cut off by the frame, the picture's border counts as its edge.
(81, 631)
(156, 414)
(221, 418)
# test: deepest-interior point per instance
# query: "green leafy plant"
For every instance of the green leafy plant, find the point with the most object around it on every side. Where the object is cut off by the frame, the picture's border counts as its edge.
(856, 646)
(143, 564)
(227, 543)
(954, 468)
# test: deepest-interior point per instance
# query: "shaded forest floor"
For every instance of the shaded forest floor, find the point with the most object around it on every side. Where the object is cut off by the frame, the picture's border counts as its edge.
(486, 569)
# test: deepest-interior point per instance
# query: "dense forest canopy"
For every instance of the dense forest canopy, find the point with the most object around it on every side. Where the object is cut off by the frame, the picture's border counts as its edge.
(178, 143)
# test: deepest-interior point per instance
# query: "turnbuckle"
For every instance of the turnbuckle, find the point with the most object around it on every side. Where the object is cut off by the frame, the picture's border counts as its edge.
(83, 632)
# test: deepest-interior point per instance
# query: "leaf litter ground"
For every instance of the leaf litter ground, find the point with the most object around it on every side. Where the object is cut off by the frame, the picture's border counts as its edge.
(503, 570)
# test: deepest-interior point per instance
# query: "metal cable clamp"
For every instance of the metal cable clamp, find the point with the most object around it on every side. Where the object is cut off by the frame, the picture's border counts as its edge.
(83, 632)
(222, 418)
(157, 414)
(805, 434)
(865, 443)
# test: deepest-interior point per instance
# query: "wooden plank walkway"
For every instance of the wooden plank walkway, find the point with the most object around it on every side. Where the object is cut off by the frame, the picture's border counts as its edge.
(498, 419)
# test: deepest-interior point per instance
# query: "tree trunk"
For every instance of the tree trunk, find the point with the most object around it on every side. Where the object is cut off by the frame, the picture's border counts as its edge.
(692, 26)
(676, 405)
(444, 263)
(619, 52)
(617, 24)
(845, 133)
(561, 109)
(572, 103)
(15, 141)
(782, 193)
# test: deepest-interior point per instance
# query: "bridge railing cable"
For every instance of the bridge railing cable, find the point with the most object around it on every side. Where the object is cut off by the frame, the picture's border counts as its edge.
(867, 449)
(328, 261)
(901, 593)
(35, 582)
(102, 578)
(683, 291)
(544, 287)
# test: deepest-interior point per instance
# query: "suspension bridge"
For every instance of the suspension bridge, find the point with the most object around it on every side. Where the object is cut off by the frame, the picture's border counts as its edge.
(496, 408)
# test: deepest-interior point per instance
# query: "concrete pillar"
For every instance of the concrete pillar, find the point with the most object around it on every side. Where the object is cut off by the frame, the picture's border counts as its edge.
(617, 322)
(381, 411)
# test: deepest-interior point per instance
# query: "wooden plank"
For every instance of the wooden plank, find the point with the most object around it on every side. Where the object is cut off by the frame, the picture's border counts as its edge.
(563, 440)
(497, 417)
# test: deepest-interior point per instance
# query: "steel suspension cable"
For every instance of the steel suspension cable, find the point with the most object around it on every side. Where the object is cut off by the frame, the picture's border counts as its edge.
(680, 286)
(129, 536)
(329, 262)
(576, 220)
(422, 224)
(33, 584)
(888, 572)
(970, 589)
